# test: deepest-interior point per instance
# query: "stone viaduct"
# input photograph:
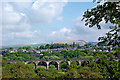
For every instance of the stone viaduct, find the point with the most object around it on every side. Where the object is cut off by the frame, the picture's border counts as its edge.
(47, 62)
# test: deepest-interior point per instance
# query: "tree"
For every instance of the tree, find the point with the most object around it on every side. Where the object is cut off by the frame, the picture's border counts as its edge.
(63, 65)
(73, 44)
(85, 72)
(73, 65)
(20, 48)
(117, 54)
(52, 67)
(109, 12)
(17, 70)
(47, 46)
(42, 47)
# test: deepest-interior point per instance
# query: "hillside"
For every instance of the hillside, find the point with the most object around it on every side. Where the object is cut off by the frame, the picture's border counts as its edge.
(17, 46)
(80, 42)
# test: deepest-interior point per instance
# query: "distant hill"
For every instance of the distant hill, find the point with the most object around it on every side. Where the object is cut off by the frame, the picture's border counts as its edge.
(80, 42)
(93, 43)
(17, 46)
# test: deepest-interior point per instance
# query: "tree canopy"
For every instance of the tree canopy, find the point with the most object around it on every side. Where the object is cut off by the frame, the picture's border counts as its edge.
(109, 12)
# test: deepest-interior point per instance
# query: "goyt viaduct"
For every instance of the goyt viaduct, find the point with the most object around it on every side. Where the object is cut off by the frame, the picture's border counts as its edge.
(47, 62)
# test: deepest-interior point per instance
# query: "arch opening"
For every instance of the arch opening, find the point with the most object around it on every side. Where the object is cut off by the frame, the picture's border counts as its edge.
(53, 65)
(42, 64)
(63, 65)
(75, 63)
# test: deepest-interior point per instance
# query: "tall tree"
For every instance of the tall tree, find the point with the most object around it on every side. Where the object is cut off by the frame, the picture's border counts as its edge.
(109, 12)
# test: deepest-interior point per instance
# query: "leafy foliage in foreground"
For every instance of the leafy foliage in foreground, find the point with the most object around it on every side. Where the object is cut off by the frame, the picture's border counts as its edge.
(109, 12)
(103, 68)
(17, 70)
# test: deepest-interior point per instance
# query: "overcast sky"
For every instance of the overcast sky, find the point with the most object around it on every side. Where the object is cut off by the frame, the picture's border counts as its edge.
(45, 22)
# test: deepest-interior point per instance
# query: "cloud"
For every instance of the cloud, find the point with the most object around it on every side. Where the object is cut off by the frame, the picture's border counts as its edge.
(21, 6)
(78, 32)
(59, 18)
(24, 35)
(53, 33)
(80, 28)
(64, 30)
(86, 33)
(44, 11)
(9, 15)
(13, 21)
(62, 34)
(15, 25)
(105, 25)
(19, 19)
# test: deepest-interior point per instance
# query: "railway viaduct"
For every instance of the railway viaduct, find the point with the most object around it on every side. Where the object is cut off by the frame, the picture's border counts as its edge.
(47, 62)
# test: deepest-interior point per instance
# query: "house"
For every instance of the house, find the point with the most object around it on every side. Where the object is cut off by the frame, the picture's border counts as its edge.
(41, 54)
(42, 50)
(37, 51)
(23, 50)
(100, 50)
(93, 50)
(50, 51)
(106, 51)
(13, 50)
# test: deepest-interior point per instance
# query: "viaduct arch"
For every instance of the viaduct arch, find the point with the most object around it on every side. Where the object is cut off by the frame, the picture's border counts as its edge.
(47, 62)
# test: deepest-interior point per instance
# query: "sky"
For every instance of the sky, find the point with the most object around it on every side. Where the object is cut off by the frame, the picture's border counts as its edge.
(45, 22)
